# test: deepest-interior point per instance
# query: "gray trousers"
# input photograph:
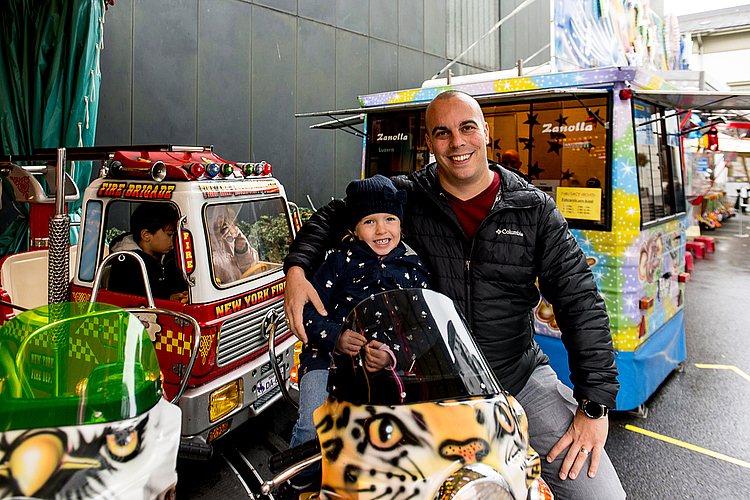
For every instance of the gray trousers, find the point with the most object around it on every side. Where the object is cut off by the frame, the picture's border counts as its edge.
(550, 408)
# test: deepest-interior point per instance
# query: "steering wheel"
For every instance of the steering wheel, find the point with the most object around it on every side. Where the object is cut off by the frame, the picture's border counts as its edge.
(253, 270)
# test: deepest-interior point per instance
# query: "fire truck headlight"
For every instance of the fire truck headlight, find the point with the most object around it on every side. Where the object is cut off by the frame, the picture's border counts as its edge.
(224, 400)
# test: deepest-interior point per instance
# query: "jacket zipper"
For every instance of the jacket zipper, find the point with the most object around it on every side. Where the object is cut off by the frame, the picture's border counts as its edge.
(467, 266)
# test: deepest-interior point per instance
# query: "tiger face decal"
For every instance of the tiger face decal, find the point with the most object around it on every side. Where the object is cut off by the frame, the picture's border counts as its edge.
(133, 458)
(406, 452)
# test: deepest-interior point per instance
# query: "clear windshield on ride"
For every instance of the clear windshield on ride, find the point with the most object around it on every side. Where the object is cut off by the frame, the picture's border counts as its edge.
(435, 355)
(75, 363)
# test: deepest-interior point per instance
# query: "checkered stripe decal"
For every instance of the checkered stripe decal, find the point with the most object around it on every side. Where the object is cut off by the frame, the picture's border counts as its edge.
(176, 342)
(106, 330)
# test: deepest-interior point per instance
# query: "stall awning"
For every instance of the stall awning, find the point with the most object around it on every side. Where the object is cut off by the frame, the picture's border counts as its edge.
(697, 100)
(527, 95)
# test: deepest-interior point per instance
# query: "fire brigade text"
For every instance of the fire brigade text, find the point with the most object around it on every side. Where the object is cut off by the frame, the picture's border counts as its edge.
(136, 190)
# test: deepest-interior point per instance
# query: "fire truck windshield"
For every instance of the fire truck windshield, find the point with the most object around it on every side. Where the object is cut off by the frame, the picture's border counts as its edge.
(246, 238)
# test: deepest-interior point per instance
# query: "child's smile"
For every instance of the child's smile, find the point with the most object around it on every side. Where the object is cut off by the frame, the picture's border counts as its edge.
(381, 232)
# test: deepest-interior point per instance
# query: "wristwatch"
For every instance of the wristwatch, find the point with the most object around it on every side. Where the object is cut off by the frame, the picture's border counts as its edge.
(593, 410)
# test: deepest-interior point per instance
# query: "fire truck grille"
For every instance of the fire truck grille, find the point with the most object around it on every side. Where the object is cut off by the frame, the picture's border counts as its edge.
(241, 336)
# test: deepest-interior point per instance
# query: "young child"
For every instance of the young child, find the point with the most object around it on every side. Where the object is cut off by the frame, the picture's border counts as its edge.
(374, 260)
(152, 227)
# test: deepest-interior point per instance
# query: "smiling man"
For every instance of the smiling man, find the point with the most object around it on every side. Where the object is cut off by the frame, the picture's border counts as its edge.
(487, 236)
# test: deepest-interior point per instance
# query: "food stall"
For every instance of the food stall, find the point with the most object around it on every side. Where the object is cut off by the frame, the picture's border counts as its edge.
(606, 144)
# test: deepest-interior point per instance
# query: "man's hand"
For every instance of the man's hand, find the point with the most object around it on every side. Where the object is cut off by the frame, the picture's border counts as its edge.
(584, 433)
(179, 297)
(298, 292)
(350, 342)
(240, 241)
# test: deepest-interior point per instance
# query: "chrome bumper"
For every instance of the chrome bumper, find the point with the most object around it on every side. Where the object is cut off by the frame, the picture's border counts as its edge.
(194, 402)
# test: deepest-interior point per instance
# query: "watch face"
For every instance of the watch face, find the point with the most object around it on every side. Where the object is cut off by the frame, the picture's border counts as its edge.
(593, 410)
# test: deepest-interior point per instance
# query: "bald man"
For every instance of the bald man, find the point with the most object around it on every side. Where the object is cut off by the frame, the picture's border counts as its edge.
(487, 236)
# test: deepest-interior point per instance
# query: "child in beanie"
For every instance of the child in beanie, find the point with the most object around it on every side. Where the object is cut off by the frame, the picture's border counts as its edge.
(374, 260)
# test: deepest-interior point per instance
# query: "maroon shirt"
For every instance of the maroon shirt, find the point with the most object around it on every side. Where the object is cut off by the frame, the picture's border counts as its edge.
(472, 212)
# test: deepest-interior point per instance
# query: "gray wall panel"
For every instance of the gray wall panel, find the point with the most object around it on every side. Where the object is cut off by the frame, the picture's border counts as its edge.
(467, 22)
(289, 6)
(383, 20)
(319, 10)
(352, 77)
(316, 88)
(384, 66)
(348, 160)
(165, 62)
(274, 62)
(234, 72)
(434, 23)
(352, 63)
(524, 27)
(539, 32)
(410, 68)
(433, 64)
(114, 99)
(508, 54)
(410, 24)
(353, 15)
(224, 85)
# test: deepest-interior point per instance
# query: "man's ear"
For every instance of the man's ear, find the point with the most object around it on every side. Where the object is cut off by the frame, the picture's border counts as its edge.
(429, 142)
(487, 133)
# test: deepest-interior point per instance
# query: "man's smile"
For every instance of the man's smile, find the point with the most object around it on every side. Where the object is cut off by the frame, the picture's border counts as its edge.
(460, 158)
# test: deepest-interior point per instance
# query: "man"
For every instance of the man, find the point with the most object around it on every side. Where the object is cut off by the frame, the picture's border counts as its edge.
(512, 160)
(486, 236)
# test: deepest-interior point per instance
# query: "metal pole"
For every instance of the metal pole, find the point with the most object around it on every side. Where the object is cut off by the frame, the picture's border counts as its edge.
(59, 270)
(742, 206)
(59, 240)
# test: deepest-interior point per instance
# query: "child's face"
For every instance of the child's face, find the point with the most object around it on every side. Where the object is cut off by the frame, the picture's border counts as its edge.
(160, 242)
(381, 232)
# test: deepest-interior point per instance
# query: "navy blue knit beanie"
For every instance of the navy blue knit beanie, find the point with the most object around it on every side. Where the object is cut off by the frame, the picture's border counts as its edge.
(374, 195)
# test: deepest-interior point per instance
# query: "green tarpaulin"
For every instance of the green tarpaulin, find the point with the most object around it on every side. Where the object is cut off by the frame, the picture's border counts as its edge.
(49, 87)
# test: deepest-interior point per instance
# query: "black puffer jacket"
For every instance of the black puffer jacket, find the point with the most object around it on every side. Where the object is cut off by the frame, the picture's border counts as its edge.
(493, 276)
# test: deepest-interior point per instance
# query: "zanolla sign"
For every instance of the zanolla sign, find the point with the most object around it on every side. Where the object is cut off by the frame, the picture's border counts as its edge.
(397, 137)
(547, 128)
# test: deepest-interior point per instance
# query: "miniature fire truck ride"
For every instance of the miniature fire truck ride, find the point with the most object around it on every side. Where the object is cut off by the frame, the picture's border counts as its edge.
(228, 294)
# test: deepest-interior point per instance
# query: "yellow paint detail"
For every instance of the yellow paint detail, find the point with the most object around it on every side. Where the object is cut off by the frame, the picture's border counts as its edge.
(406, 96)
(80, 296)
(725, 367)
(626, 338)
(170, 341)
(689, 446)
(515, 84)
(205, 347)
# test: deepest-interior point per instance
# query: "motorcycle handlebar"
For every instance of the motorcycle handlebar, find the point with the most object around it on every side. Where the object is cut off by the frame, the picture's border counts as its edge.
(285, 459)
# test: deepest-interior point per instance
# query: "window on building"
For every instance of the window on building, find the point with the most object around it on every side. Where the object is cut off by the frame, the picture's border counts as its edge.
(396, 143)
(658, 160)
(562, 146)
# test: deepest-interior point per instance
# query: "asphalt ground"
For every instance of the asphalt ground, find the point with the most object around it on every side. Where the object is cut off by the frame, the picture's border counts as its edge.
(700, 448)
(693, 444)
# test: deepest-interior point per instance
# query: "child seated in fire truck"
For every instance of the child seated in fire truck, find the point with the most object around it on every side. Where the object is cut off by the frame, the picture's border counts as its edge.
(152, 227)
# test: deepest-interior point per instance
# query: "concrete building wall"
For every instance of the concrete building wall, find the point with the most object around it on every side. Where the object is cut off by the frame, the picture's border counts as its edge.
(233, 73)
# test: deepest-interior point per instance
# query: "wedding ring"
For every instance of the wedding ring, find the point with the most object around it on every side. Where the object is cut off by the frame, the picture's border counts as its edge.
(584, 451)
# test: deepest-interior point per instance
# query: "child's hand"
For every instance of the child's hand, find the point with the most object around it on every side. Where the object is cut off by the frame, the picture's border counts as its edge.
(179, 297)
(350, 342)
(375, 358)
